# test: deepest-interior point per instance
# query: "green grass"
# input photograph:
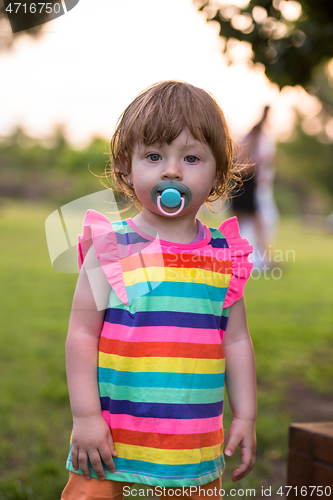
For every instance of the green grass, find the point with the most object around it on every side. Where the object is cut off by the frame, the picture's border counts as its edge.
(289, 319)
(35, 420)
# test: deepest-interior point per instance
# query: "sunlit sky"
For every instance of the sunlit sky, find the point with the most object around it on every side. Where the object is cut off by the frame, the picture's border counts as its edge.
(90, 63)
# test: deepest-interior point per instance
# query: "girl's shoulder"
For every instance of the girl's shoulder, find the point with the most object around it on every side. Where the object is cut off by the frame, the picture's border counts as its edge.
(103, 235)
(230, 229)
(228, 236)
(101, 222)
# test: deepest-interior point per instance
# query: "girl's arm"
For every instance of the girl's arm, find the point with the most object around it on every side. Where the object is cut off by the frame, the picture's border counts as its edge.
(91, 436)
(241, 388)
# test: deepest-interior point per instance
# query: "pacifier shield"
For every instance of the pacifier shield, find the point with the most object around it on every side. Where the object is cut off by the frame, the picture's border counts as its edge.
(170, 192)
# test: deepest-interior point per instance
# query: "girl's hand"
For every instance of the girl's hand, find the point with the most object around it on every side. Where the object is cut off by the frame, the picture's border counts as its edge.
(92, 439)
(242, 433)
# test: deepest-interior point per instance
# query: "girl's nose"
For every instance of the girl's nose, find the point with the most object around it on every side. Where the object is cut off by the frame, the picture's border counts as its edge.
(172, 171)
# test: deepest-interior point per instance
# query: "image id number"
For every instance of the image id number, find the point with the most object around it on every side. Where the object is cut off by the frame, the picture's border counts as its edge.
(33, 8)
(304, 491)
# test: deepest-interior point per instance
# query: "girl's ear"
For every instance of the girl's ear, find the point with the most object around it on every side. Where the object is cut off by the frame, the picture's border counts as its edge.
(124, 163)
(125, 167)
(217, 180)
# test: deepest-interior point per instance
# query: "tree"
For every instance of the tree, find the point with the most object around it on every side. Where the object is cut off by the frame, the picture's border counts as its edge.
(290, 38)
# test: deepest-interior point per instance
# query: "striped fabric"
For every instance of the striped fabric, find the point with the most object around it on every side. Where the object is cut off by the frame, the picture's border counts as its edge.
(161, 358)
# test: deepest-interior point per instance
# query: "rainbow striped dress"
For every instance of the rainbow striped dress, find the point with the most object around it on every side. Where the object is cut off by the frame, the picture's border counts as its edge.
(161, 358)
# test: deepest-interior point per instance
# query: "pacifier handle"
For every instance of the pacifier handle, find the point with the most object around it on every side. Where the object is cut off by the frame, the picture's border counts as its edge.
(182, 203)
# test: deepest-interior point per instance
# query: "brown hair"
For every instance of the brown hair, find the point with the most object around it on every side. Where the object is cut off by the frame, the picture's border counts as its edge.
(158, 115)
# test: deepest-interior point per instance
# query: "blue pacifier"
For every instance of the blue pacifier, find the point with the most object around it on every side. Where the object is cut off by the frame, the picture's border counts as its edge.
(171, 194)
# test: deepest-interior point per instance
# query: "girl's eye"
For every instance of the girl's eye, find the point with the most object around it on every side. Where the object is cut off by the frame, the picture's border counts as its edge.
(191, 158)
(154, 157)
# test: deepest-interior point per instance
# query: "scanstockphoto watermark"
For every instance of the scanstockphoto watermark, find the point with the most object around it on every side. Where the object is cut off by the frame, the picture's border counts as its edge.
(270, 263)
(186, 492)
(29, 14)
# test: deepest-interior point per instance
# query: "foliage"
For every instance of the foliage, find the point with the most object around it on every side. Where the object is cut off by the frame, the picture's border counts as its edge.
(311, 157)
(290, 43)
(33, 170)
(55, 171)
(303, 166)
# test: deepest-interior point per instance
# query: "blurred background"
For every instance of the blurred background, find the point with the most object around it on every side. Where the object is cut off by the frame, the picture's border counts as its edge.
(64, 84)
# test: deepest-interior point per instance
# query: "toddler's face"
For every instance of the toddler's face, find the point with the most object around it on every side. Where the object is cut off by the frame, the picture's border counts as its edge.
(185, 160)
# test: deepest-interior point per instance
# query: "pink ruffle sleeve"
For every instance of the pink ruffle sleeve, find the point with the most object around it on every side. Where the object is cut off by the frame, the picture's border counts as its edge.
(241, 268)
(98, 231)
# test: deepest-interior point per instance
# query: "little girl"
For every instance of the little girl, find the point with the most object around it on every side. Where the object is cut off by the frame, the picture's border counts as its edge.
(158, 316)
